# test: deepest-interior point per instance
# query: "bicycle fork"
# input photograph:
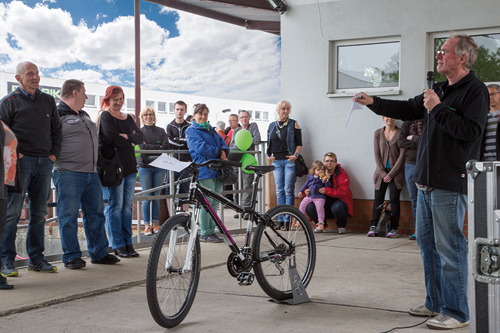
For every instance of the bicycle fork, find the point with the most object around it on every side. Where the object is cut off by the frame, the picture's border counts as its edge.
(174, 237)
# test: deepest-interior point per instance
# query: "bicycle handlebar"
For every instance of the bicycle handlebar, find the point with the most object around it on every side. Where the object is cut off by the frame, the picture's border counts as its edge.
(216, 164)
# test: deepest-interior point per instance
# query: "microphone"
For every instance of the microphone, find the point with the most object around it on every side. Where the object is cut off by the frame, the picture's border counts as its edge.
(430, 79)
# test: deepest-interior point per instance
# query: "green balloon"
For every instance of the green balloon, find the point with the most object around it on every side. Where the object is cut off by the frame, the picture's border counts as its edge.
(136, 147)
(243, 139)
(248, 159)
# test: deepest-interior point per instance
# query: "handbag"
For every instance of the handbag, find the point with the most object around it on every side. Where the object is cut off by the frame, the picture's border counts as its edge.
(383, 224)
(110, 171)
(301, 168)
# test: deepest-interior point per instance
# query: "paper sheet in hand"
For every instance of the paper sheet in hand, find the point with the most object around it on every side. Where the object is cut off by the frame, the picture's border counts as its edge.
(355, 106)
(166, 162)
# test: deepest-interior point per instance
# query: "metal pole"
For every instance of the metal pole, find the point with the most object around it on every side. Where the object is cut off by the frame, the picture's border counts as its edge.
(137, 27)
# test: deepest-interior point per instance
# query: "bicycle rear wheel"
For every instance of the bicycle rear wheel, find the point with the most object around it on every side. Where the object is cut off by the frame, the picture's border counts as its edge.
(271, 253)
(171, 290)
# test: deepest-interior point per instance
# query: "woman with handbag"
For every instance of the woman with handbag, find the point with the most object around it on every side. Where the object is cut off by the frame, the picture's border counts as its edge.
(154, 138)
(284, 143)
(118, 134)
(205, 144)
(390, 161)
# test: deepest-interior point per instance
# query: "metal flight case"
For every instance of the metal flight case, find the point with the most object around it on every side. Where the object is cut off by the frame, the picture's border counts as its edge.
(484, 246)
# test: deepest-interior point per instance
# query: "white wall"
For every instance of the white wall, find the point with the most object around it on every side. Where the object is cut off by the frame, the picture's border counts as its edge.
(305, 64)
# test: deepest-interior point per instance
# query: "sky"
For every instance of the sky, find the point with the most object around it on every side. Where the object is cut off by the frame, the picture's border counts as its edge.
(93, 41)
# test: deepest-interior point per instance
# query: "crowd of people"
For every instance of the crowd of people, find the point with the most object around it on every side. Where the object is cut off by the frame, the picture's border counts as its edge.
(40, 141)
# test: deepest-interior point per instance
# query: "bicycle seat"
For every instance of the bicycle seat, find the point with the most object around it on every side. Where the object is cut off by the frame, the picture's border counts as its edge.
(262, 169)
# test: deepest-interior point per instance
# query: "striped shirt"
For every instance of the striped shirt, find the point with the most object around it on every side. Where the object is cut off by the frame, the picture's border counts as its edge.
(490, 144)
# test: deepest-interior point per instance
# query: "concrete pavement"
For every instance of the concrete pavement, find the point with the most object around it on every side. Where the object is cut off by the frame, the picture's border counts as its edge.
(360, 284)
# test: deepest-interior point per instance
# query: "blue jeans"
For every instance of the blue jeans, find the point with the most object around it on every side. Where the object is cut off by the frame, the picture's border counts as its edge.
(334, 209)
(3, 218)
(75, 189)
(442, 244)
(35, 179)
(412, 189)
(151, 178)
(184, 187)
(118, 212)
(207, 226)
(284, 178)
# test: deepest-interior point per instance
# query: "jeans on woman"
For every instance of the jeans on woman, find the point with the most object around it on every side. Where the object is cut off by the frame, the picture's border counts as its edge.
(118, 212)
(395, 205)
(443, 246)
(412, 189)
(151, 178)
(207, 226)
(284, 178)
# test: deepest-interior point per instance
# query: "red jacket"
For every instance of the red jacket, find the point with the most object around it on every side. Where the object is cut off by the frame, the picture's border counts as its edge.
(340, 189)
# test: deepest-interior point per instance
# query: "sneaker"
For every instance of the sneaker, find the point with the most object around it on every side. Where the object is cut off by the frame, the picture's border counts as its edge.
(319, 228)
(75, 263)
(155, 228)
(443, 322)
(422, 311)
(412, 237)
(109, 259)
(213, 238)
(392, 234)
(42, 266)
(371, 232)
(9, 270)
(148, 230)
(341, 230)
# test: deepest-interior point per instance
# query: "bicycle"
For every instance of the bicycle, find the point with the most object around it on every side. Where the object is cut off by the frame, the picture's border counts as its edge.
(174, 262)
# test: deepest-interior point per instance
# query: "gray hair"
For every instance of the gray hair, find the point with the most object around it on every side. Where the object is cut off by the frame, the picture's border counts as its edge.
(466, 45)
(494, 86)
(220, 125)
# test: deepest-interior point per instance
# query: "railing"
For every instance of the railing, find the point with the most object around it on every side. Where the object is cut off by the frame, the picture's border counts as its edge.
(138, 197)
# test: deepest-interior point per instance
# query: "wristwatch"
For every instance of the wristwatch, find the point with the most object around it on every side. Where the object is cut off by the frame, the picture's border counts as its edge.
(297, 154)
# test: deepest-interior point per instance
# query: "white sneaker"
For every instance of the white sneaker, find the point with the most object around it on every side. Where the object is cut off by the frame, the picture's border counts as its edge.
(422, 311)
(341, 230)
(443, 322)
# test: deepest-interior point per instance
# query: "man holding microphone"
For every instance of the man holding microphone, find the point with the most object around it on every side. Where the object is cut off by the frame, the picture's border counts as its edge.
(454, 113)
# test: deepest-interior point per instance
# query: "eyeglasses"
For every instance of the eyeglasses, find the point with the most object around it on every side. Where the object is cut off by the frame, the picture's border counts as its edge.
(148, 115)
(442, 53)
(493, 93)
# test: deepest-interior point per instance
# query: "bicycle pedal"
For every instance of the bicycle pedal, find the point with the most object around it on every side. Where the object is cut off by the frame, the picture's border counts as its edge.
(245, 278)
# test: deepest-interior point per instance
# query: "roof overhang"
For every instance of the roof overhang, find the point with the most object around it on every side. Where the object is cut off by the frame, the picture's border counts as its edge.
(261, 15)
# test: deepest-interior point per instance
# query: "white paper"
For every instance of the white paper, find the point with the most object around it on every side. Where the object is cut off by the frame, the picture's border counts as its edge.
(354, 106)
(166, 162)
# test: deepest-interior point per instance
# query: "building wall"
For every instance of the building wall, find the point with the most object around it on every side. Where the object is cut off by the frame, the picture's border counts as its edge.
(305, 67)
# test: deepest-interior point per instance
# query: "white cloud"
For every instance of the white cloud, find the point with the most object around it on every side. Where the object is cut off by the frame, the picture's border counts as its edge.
(100, 16)
(208, 57)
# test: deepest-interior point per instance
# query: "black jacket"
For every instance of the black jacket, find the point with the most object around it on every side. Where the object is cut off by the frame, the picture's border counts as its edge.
(35, 123)
(452, 132)
(177, 139)
(155, 138)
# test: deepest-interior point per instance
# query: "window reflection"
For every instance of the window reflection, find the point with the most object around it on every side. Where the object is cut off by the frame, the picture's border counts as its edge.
(368, 65)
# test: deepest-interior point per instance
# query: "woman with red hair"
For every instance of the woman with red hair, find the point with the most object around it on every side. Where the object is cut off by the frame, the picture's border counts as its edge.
(118, 130)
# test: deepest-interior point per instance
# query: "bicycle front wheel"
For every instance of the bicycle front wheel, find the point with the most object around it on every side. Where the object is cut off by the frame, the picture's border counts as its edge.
(273, 248)
(171, 288)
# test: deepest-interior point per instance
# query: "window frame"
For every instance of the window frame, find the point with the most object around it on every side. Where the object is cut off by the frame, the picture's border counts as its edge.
(333, 91)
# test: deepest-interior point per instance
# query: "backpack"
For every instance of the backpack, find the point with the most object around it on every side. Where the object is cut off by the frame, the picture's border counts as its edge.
(384, 221)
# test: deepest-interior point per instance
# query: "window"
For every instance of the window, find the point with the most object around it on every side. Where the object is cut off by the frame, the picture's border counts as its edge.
(250, 113)
(162, 107)
(488, 55)
(130, 104)
(371, 65)
(171, 107)
(90, 102)
(150, 103)
(257, 115)
(265, 116)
